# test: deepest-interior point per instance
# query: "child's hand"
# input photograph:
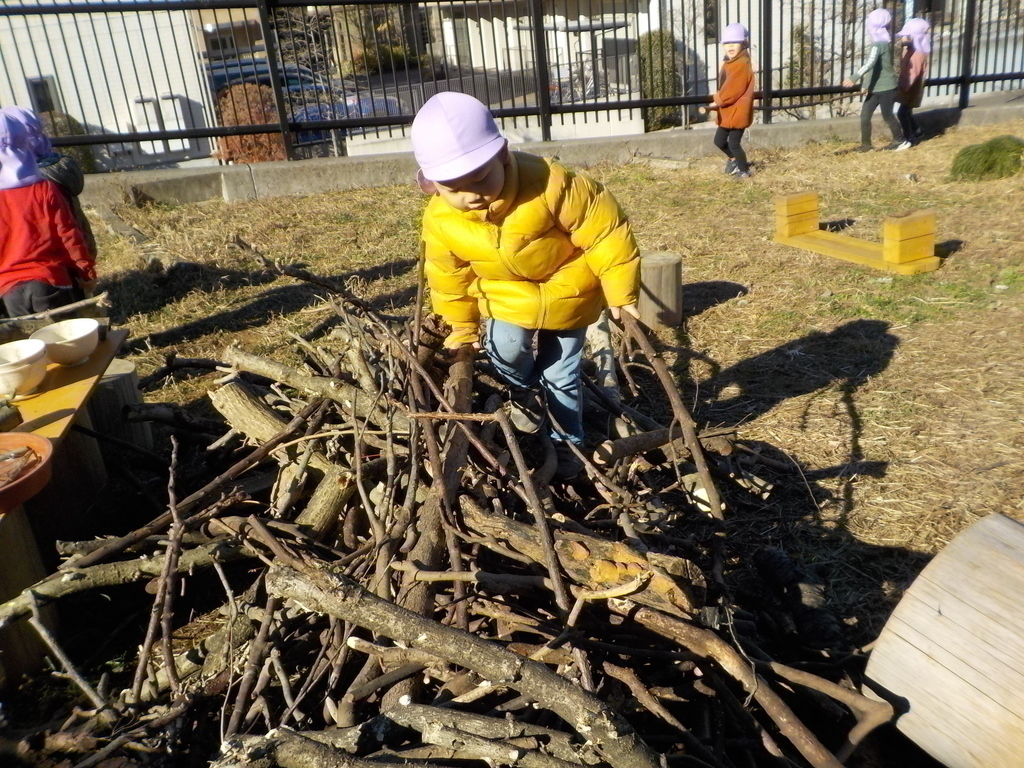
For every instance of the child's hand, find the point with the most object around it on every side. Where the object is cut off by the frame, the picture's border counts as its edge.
(629, 309)
(848, 83)
(88, 288)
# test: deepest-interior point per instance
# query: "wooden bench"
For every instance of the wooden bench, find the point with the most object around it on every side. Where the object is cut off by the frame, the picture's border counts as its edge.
(907, 247)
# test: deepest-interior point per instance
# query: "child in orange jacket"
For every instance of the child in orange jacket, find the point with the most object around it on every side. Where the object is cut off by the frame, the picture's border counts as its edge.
(734, 99)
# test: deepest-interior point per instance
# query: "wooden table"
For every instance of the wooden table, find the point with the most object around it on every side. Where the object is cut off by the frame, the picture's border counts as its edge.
(77, 473)
(63, 393)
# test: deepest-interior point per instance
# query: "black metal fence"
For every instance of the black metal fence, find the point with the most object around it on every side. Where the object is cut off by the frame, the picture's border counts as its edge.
(162, 82)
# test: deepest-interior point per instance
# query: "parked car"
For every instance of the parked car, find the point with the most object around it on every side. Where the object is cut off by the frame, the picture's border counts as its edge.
(228, 72)
(351, 104)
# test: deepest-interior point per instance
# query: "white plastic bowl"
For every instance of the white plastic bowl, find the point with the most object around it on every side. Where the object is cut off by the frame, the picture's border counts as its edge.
(22, 366)
(70, 342)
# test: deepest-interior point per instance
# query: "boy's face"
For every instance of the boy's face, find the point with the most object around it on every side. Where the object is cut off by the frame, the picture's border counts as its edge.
(476, 190)
(732, 50)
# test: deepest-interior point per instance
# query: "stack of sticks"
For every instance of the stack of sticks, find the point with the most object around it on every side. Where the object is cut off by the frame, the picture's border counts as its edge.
(403, 583)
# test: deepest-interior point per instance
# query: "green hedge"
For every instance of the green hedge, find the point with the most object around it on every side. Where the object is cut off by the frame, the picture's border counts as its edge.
(660, 78)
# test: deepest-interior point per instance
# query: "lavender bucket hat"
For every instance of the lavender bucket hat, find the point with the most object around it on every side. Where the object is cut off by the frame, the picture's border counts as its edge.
(734, 33)
(18, 166)
(37, 139)
(452, 135)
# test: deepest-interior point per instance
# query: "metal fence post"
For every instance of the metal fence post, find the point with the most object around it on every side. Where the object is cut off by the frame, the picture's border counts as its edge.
(540, 58)
(766, 61)
(967, 52)
(276, 83)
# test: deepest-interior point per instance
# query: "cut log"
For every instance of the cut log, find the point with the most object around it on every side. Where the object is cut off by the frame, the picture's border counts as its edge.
(596, 563)
(259, 422)
(661, 290)
(117, 390)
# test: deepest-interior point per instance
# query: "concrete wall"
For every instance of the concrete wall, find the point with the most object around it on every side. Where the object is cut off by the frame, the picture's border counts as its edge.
(305, 177)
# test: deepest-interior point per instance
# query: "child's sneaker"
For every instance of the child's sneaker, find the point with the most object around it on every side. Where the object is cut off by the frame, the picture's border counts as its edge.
(730, 166)
(569, 464)
(524, 411)
(744, 174)
(902, 146)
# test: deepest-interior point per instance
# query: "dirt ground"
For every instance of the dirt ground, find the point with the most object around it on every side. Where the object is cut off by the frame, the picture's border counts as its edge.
(897, 400)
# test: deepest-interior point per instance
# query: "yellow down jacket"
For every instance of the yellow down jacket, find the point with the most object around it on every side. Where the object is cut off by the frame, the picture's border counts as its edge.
(551, 252)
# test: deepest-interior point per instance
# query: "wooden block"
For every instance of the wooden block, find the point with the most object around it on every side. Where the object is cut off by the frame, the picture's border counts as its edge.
(792, 208)
(910, 226)
(917, 267)
(798, 224)
(661, 289)
(801, 202)
(902, 251)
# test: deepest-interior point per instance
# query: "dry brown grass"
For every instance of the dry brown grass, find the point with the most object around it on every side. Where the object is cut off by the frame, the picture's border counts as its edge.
(900, 398)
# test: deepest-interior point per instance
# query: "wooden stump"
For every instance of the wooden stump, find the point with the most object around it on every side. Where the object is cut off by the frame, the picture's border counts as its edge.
(119, 387)
(21, 649)
(661, 290)
(952, 653)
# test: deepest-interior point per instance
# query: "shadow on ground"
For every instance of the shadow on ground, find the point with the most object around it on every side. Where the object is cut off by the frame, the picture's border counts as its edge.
(141, 292)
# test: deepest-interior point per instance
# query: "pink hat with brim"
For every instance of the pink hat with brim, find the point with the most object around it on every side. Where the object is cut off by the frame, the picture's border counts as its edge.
(453, 134)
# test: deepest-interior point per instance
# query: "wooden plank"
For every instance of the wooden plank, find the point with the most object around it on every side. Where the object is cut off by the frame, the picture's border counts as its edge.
(839, 238)
(845, 248)
(857, 251)
(938, 720)
(51, 410)
(942, 637)
(902, 251)
(954, 649)
(909, 226)
(796, 203)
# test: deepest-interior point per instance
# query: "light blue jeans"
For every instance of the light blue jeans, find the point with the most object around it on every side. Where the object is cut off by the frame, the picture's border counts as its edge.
(556, 367)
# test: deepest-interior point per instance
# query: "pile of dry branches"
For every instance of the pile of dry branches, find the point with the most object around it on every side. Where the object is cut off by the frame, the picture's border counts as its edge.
(403, 584)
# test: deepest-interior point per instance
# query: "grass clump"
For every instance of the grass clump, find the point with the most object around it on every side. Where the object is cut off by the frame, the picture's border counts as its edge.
(997, 158)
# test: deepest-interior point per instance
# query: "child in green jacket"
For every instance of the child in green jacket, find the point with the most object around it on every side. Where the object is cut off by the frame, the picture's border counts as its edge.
(879, 81)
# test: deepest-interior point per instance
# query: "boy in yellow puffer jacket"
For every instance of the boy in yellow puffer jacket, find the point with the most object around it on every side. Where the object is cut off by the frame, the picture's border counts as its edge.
(528, 244)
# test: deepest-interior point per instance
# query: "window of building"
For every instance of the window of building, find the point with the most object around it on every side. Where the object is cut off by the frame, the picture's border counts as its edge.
(43, 93)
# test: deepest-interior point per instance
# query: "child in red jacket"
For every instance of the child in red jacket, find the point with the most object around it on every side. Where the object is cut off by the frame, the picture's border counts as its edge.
(44, 260)
(734, 99)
